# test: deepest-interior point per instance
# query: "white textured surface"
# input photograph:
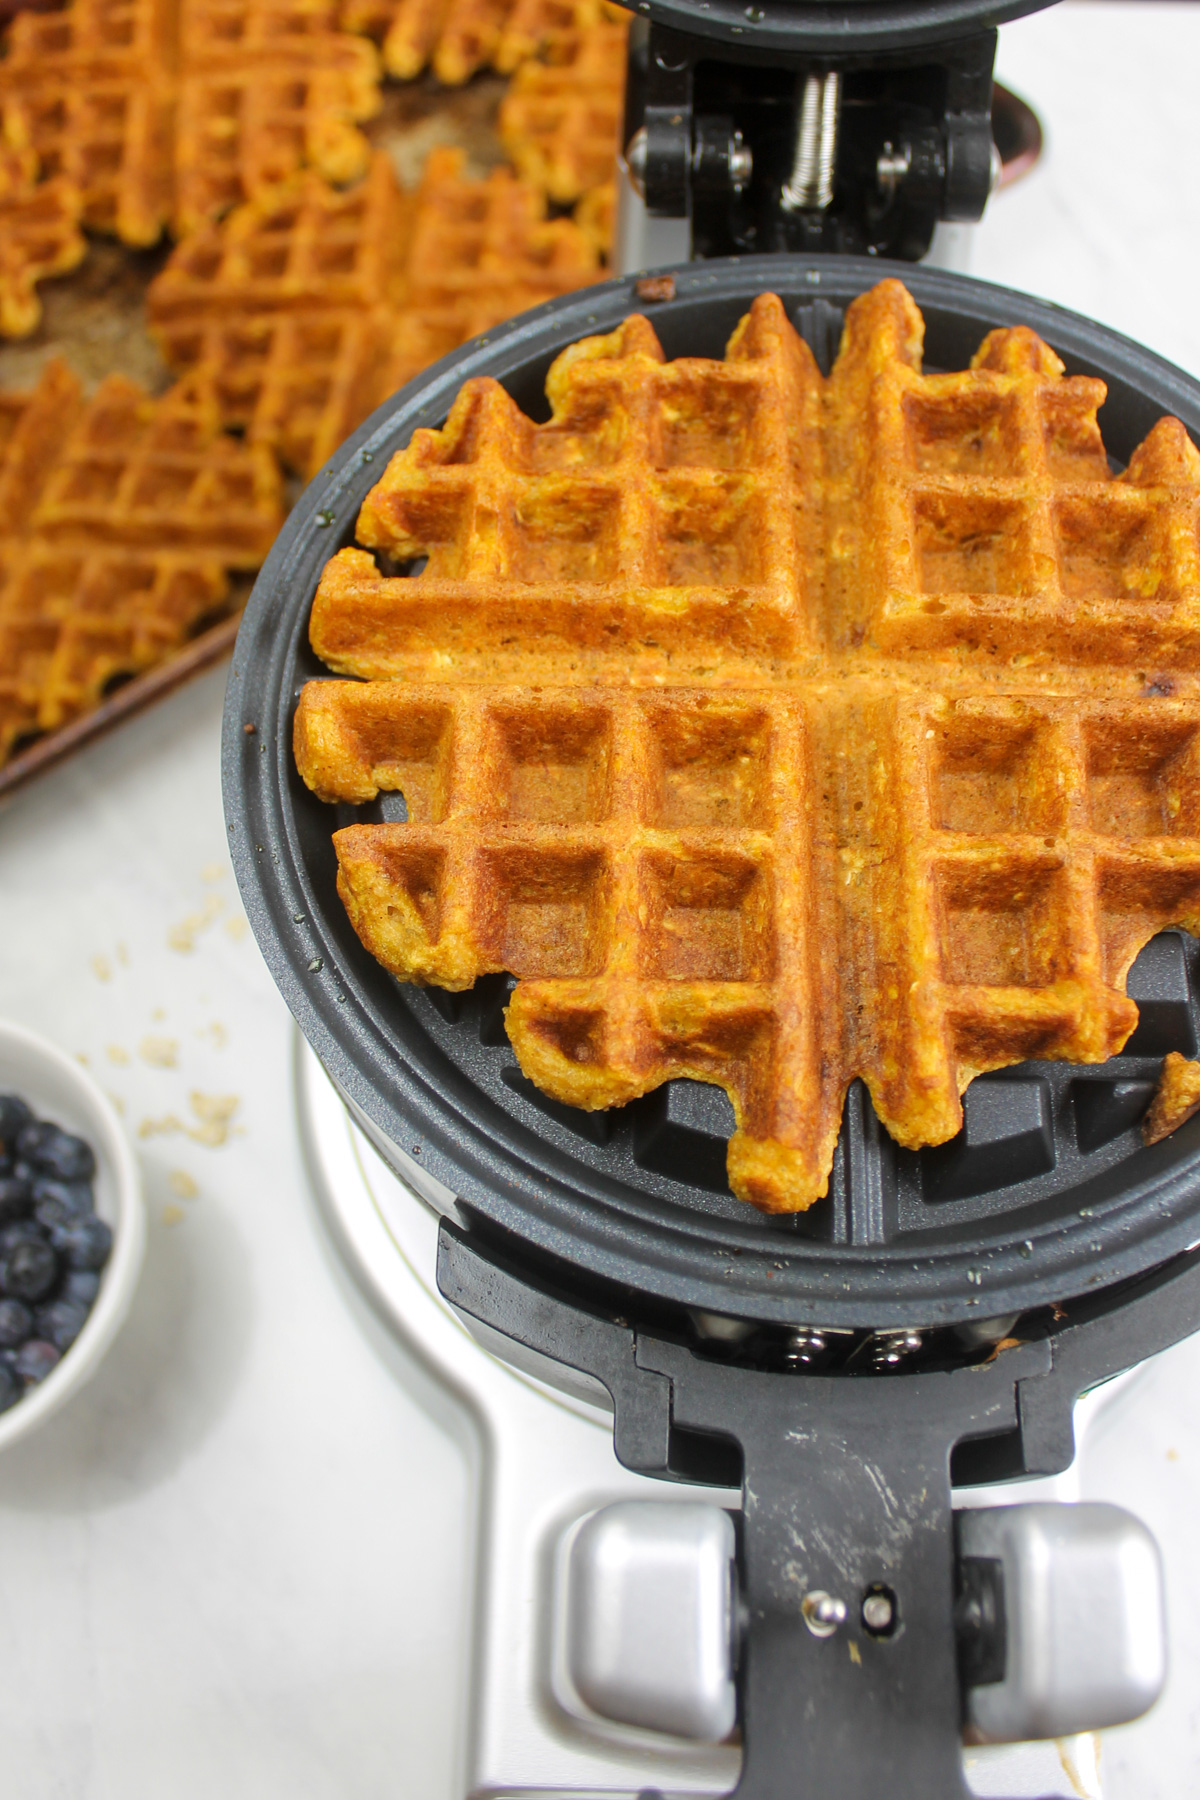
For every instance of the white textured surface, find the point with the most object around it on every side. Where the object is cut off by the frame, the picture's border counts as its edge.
(231, 1567)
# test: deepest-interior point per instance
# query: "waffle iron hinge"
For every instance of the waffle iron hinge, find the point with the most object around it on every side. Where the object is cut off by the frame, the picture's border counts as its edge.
(749, 149)
(878, 1624)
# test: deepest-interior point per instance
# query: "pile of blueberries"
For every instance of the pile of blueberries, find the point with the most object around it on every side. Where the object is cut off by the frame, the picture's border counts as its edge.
(52, 1245)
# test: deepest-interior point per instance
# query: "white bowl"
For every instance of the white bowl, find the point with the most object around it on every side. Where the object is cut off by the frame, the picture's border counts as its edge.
(57, 1088)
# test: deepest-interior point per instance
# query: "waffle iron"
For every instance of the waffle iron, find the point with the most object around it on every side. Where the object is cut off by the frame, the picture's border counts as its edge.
(934, 1318)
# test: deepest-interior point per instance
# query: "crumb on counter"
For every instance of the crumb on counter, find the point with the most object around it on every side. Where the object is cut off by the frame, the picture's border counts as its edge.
(159, 1052)
(173, 1215)
(183, 1185)
(212, 871)
(101, 968)
(116, 1054)
(182, 937)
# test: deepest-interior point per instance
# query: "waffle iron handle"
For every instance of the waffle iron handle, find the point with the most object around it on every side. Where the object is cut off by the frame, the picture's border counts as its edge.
(848, 1680)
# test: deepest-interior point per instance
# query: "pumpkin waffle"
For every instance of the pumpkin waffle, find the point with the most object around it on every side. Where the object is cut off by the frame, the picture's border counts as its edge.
(481, 251)
(549, 29)
(119, 517)
(288, 306)
(307, 306)
(560, 120)
(657, 765)
(456, 36)
(109, 135)
(39, 236)
(245, 123)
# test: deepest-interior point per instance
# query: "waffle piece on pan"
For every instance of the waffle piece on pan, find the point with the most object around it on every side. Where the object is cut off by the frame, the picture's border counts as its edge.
(560, 121)
(481, 251)
(549, 29)
(39, 236)
(656, 766)
(119, 517)
(33, 427)
(288, 307)
(595, 216)
(456, 36)
(109, 135)
(246, 124)
(213, 30)
(295, 247)
(161, 472)
(93, 38)
(73, 618)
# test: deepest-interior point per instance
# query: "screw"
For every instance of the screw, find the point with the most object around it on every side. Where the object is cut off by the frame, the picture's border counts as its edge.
(635, 161)
(806, 1345)
(891, 1348)
(892, 167)
(823, 1613)
(741, 162)
(879, 1611)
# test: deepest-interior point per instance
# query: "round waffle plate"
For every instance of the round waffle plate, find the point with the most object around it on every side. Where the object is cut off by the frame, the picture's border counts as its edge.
(1048, 1192)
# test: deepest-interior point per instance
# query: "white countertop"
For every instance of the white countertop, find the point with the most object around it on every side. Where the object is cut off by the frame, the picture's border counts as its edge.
(231, 1567)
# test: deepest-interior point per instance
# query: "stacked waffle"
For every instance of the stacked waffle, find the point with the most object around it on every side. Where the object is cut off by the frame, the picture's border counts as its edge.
(775, 731)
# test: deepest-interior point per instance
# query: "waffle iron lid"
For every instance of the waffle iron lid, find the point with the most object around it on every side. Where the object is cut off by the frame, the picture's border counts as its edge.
(833, 27)
(1047, 1193)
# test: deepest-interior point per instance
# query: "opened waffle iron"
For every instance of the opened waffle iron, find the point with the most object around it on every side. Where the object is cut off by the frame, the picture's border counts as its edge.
(934, 1318)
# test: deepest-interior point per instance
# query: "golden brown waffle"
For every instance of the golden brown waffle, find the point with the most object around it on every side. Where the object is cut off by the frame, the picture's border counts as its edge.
(456, 36)
(1176, 1099)
(595, 216)
(178, 109)
(288, 307)
(481, 251)
(549, 29)
(118, 519)
(657, 766)
(560, 120)
(247, 123)
(215, 30)
(308, 306)
(39, 236)
(294, 247)
(109, 136)
(92, 38)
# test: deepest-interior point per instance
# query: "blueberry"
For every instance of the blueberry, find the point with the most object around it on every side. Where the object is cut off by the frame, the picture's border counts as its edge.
(29, 1271)
(51, 1213)
(82, 1285)
(73, 1196)
(61, 1322)
(13, 1114)
(83, 1243)
(56, 1152)
(15, 1198)
(24, 1171)
(20, 1231)
(36, 1358)
(11, 1387)
(16, 1324)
